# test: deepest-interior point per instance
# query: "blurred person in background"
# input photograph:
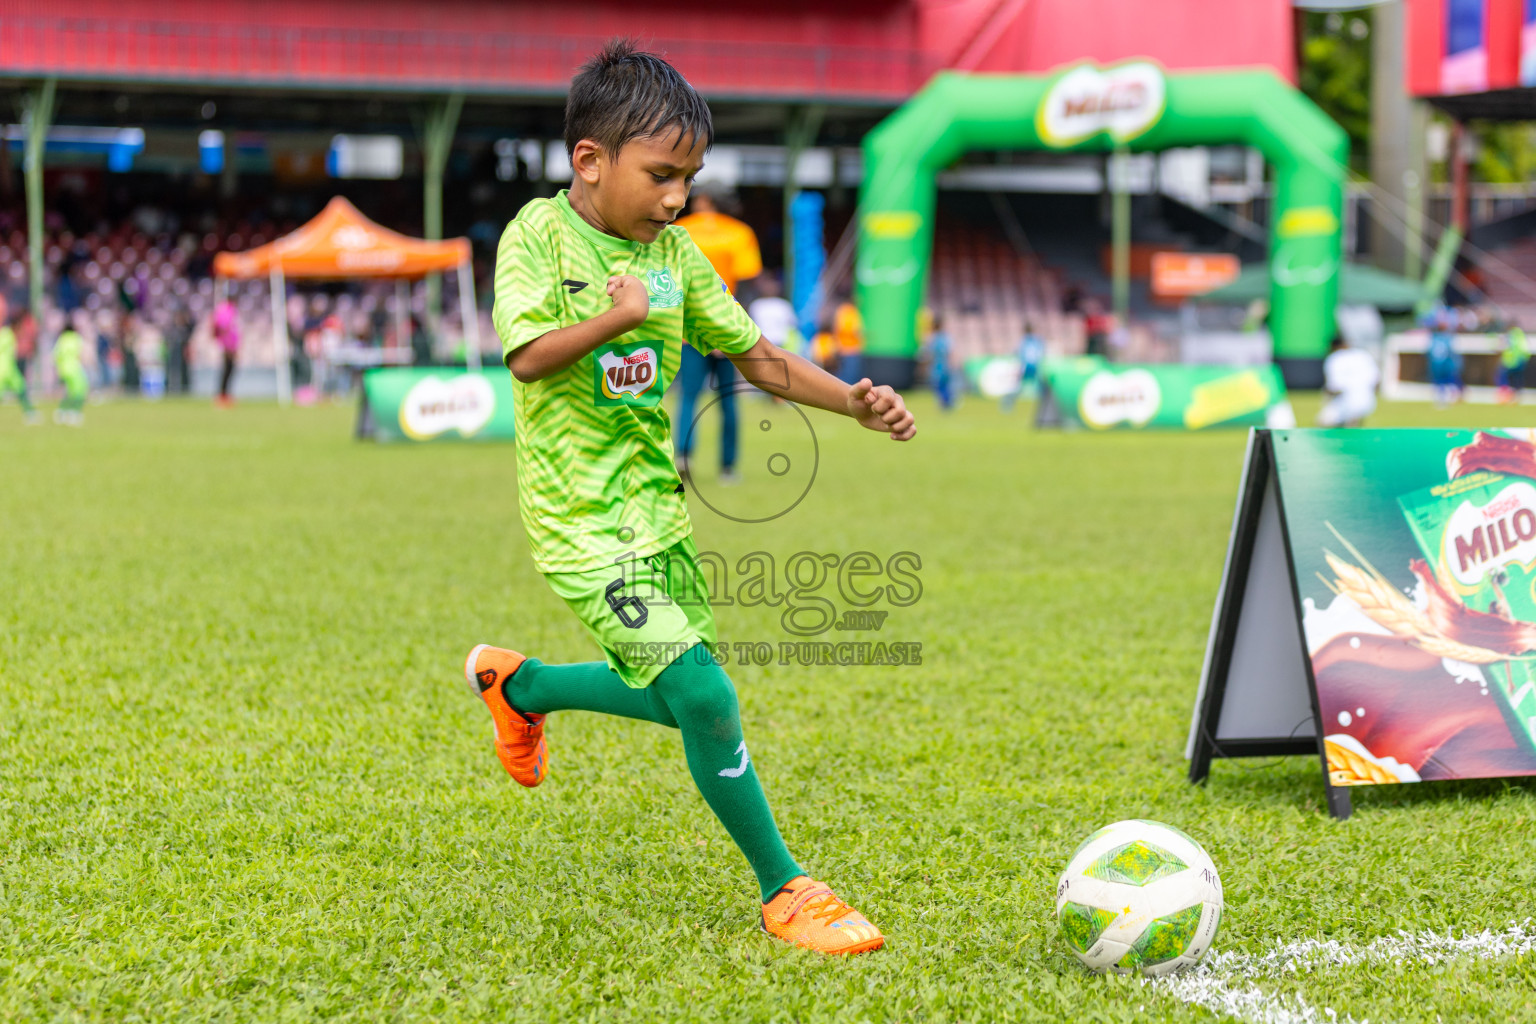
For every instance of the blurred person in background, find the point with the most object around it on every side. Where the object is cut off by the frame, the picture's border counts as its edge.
(731, 248)
(12, 382)
(1097, 323)
(320, 347)
(107, 362)
(1512, 363)
(149, 351)
(940, 376)
(129, 329)
(421, 343)
(301, 345)
(226, 333)
(79, 255)
(824, 349)
(1031, 355)
(68, 352)
(178, 344)
(775, 316)
(25, 326)
(1444, 360)
(1350, 377)
(848, 332)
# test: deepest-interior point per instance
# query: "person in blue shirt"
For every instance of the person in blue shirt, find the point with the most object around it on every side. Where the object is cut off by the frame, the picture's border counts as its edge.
(1030, 355)
(940, 377)
(1444, 361)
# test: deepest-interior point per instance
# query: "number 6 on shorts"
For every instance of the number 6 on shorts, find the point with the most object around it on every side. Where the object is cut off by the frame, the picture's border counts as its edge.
(620, 605)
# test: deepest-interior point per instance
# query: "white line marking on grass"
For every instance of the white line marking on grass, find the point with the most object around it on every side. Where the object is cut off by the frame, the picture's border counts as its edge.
(1251, 1004)
(1426, 947)
(1212, 984)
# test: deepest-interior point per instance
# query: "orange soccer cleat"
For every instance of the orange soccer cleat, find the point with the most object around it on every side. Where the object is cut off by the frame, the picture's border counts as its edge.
(519, 737)
(807, 914)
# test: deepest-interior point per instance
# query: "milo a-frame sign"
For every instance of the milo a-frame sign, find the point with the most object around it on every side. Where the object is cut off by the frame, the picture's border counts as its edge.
(1378, 609)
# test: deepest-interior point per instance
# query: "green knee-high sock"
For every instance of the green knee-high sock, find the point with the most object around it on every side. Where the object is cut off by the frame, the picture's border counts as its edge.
(703, 701)
(537, 689)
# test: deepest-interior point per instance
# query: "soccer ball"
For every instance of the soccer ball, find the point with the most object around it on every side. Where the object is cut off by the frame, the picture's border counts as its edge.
(1139, 896)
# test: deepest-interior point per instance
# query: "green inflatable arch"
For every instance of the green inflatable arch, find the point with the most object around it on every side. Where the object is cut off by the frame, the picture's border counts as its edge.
(1087, 108)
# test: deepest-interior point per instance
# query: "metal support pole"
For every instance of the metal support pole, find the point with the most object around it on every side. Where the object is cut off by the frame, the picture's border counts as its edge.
(1413, 226)
(437, 132)
(37, 115)
(804, 125)
(1459, 186)
(1397, 141)
(1120, 234)
(468, 314)
(280, 344)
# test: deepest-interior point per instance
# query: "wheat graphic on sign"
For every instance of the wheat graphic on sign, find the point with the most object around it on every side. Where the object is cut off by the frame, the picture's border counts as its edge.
(1391, 609)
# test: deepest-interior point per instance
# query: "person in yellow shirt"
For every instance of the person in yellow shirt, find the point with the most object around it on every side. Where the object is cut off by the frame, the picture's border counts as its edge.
(848, 330)
(731, 248)
(824, 351)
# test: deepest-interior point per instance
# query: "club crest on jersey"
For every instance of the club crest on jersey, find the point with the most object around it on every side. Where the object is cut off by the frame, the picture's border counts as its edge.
(665, 293)
(628, 375)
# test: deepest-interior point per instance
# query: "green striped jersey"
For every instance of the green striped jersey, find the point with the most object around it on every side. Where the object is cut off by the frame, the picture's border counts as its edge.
(66, 352)
(596, 483)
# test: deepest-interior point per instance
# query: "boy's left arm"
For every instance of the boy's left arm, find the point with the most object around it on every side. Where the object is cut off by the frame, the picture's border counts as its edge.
(713, 319)
(786, 375)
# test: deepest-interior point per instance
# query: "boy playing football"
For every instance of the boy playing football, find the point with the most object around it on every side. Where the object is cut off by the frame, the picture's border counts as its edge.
(595, 295)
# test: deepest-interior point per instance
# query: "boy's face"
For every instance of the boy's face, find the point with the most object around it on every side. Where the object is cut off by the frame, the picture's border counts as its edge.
(640, 190)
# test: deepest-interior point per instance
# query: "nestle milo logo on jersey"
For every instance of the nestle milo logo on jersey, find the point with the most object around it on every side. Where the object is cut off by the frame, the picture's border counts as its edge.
(628, 375)
(664, 289)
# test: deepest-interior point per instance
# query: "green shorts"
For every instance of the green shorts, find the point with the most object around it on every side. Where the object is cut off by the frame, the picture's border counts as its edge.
(75, 383)
(643, 613)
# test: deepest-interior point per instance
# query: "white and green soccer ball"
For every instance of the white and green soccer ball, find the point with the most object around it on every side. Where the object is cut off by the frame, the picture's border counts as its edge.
(1139, 896)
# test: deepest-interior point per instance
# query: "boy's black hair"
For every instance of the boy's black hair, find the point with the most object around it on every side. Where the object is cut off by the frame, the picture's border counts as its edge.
(624, 93)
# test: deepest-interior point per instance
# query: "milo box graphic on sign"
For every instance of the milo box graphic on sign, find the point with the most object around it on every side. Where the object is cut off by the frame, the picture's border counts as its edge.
(627, 375)
(1478, 534)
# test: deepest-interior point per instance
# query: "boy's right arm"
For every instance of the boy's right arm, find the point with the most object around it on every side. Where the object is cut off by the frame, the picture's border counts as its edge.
(562, 347)
(527, 310)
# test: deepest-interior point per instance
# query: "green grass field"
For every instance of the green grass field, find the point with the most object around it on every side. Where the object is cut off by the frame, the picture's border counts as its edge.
(241, 778)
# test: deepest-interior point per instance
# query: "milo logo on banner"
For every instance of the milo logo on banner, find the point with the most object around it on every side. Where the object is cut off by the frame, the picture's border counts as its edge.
(435, 406)
(1121, 101)
(628, 375)
(1109, 398)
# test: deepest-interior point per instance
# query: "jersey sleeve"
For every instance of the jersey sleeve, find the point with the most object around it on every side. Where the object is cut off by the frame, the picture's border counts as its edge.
(712, 318)
(526, 305)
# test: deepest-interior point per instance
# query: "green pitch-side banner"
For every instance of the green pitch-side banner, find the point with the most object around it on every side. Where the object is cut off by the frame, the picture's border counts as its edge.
(1091, 393)
(1379, 608)
(436, 404)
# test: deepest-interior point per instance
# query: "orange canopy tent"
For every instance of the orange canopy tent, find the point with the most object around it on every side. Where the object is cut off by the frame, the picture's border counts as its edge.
(340, 243)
